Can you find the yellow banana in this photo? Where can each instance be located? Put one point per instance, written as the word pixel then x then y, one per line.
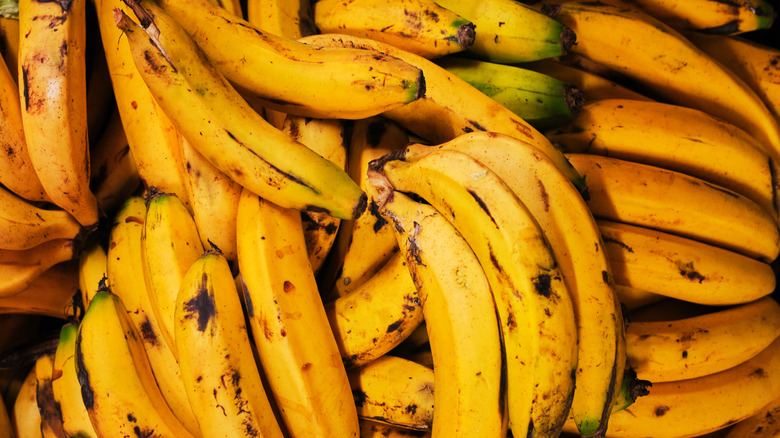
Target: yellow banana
pixel 118 387
pixel 457 107
pixel 673 137
pixel 377 316
pixel 394 391
pixel 297 79
pixel 51 417
pixel 296 346
pixel 654 197
pixel 217 365
pixel 126 278
pixel 682 268
pixel 25 417
pixel 170 244
pixel 662 351
pixel 576 242
pixel 705 404
pixel 534 306
pixel 460 318
pixel 93 262
pixel 65 386
pixel 24 225
pixel 51 294
pixel 222 127
pixel 763 424
pixel 19 268
pixel 422 27
pixel 9 26
pixel 53 97
pixel 375 429
pixel 667 64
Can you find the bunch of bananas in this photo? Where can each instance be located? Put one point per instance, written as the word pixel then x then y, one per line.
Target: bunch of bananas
pixel 361 218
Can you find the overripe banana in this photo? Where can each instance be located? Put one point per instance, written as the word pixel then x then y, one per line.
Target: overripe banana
pixel 422 27
pixel 19 268
pixel 25 417
pixel 51 417
pixel 24 225
pixel 65 386
pixel 51 294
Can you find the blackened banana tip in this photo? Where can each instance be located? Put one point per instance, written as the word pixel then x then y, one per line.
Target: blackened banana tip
pixel 466 35
pixel 361 206
pixel 420 86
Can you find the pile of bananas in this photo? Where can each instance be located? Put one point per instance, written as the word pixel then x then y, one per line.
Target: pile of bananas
pixel 283 218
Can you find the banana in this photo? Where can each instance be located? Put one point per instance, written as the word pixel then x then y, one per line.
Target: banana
pixel 296 346
pixel 51 416
pixel 375 429
pixel 117 384
pixel 377 316
pixel 394 391
pixel 154 142
pixel 222 127
pixel 675 138
pixel 669 201
pixel 762 424
pixel 460 317
pixel 127 280
pixel 19 268
pixel 682 268
pixel 297 79
pixel 533 303
pixel 576 242
pixel 93 261
pixel 539 99
pixel 662 351
pixel 170 244
pixel 365 244
pixel 53 97
pixel 422 27
pixel 51 294
pixel 25 417
pixel 9 27
pixel 509 32
pixel 291 19
pixel 705 404
pixel 65 386
pixel 667 64
pixel 217 365
pixel 456 106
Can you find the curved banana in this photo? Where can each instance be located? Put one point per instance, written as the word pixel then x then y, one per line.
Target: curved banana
pixel 222 127
pixel 217 365
pixel 509 32
pixel 394 391
pixel 763 424
pixel 541 100
pixel 53 96
pixel 25 417
pixel 705 404
pixel 460 317
pixel 662 351
pixel 377 316
pixel 19 268
pixel 457 107
pixel 534 306
pixel 673 137
pixel 127 280
pixel 294 341
pixel 287 18
pixel 118 387
pixel 51 416
pixel 93 262
pixel 51 294
pixel 667 64
pixel 682 268
pixel 65 386
pixel 654 197
pixel 422 27
pixel 24 225
pixel 346 84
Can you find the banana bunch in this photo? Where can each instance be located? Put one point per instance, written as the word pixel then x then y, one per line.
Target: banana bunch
pixel 364 219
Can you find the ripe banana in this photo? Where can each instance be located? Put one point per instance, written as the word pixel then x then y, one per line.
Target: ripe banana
pixel 456 106
pixel 296 79
pixel 460 318
pixel 296 346
pixel 53 97
pixel 422 27
pixel 65 386
pixel 92 264
pixel 291 19
pixel 705 404
pixel 222 127
pixel 662 351
pixel 682 268
pixel 509 32
pixel 19 268
pixel 377 316
pixel 51 294
pixel 673 202
pixel 533 304
pixel 667 64
pixel 24 225
pixel 217 365
pixel 762 424
pixel 127 279
pixel 675 138
pixel 25 417
pixel 541 100
pixel 118 387
pixel 51 417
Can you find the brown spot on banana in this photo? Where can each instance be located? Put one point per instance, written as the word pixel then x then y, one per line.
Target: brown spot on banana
pixel 661 410
pixel 466 35
pixel 49 408
pixel 202 305
pixel 147 332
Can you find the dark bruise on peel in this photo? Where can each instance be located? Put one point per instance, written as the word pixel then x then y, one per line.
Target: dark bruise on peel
pixel 608 239
pixel 380 221
pixel 147 332
pixel 49 408
pixel 26 87
pixel 202 305
pixel 482 206
pixel 729 28
pixel 543 285
pixel 87 394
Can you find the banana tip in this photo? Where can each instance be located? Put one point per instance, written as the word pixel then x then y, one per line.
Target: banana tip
pixel 466 35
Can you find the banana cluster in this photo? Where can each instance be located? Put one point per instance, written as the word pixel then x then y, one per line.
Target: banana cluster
pixel 360 218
